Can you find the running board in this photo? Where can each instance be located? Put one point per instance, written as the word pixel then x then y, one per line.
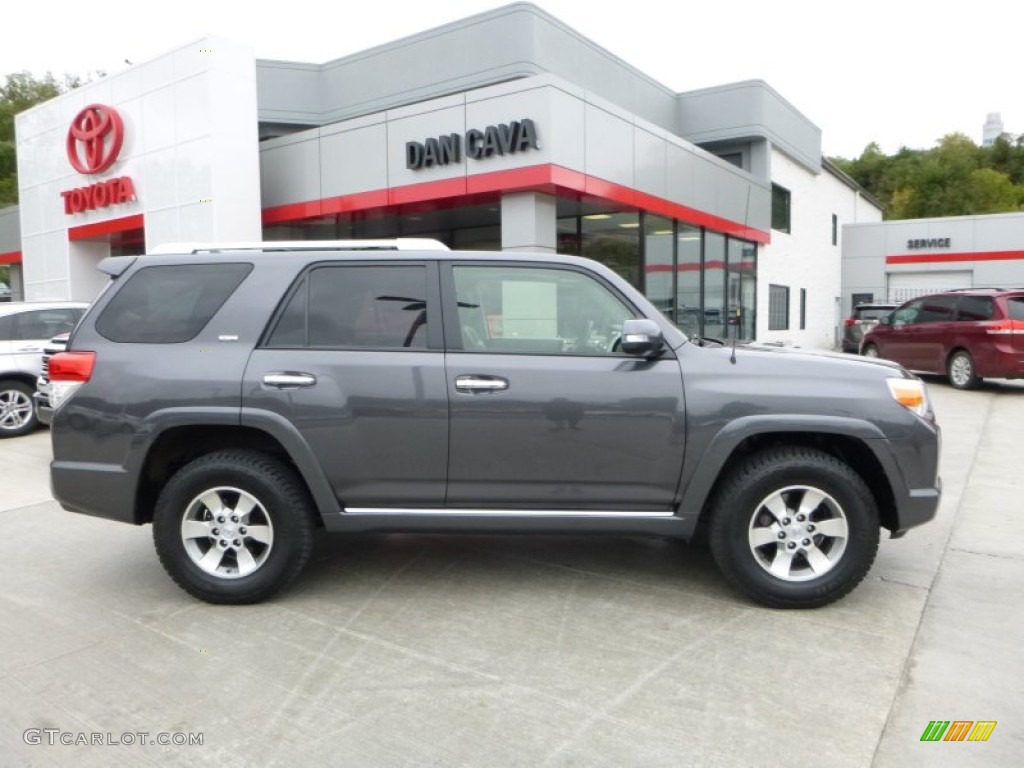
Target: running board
pixel 504 512
pixel 449 520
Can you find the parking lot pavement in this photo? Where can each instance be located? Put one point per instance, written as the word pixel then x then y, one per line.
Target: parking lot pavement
pixel 513 651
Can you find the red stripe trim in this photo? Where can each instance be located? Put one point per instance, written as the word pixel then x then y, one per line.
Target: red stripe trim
pixel 941 258
pixel 11 257
pixel 87 231
pixel 549 178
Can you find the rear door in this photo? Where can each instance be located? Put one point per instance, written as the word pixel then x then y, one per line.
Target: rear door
pixel 355 362
pixel 546 411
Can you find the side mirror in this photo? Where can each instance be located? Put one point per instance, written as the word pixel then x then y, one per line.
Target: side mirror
pixel 885 320
pixel 642 337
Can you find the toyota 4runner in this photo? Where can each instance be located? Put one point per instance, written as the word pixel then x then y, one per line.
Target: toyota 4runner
pixel 240 397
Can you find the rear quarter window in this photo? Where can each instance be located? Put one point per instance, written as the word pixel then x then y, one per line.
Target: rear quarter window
pixel 973 308
pixel 169 304
pixel 1016 307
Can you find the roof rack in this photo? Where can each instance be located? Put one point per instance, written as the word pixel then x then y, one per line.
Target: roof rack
pixel 396 244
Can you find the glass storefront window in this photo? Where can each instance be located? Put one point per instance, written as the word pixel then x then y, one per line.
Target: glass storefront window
pixel 659 255
pixel 748 287
pixel 569 236
pixel 614 240
pixel 688 248
pixel 714 285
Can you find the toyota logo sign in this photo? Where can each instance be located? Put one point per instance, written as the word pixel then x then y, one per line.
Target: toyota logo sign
pixel 95 138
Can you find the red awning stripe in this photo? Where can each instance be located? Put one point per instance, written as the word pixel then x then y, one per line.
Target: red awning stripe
pixel 100 228
pixel 548 178
pixel 942 258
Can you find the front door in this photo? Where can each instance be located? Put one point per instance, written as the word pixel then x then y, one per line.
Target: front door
pixel 546 410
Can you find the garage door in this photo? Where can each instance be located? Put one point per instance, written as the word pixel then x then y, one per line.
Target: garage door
pixel 907 285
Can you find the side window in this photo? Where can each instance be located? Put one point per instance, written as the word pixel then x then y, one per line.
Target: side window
pixel 45 323
pixel 936 309
pixel 975 308
pixel 7 328
pixel 356 307
pixel 169 304
pixel 907 314
pixel 533 310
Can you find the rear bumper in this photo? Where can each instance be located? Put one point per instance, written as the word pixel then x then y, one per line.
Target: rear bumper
pixel 43 410
pixel 1002 363
pixel 100 490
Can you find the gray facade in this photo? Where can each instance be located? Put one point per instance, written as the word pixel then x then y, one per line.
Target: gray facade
pixel 897 260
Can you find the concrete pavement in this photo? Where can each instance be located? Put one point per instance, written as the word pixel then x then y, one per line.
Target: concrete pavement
pixel 515 651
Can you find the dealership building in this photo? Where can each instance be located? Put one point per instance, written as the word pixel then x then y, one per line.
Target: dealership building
pixel 507 130
pixel 898 260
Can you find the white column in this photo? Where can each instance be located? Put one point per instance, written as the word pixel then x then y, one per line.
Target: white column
pixel 528 222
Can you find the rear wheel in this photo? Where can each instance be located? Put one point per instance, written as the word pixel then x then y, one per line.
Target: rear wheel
pixel 960 369
pixel 794 527
pixel 17 411
pixel 234 526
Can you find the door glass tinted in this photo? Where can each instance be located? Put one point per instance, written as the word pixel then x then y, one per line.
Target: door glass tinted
pixel 533 310
pixel 975 308
pixel 357 307
pixel 937 309
pixel 171 304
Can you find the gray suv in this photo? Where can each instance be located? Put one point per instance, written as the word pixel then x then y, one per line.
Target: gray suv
pixel 239 398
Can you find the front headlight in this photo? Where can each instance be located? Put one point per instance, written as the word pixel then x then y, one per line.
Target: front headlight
pixel 911 394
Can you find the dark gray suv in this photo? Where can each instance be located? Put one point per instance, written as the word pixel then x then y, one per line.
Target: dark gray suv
pixel 240 398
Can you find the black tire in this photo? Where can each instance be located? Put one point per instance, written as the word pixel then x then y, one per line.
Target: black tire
pixel 961 372
pixel 233 480
pixel 17 409
pixel 870 350
pixel 786 477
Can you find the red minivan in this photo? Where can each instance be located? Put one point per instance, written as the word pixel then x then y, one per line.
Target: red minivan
pixel 968 334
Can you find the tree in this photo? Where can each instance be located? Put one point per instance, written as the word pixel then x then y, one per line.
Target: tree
pixel 955 178
pixel 20 91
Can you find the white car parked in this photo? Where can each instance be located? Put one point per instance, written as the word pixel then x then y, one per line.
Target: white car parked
pixel 25 328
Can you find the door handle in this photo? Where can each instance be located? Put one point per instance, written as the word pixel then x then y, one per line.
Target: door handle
pixel 475 384
pixel 289 379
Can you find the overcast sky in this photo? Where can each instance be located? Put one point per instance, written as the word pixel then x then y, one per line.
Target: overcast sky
pixel 899 72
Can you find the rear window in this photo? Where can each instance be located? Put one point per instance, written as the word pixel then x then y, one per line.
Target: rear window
pixel 170 304
pixel 871 313
pixel 1016 307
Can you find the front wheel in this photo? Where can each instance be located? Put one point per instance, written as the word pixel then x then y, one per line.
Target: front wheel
pixel 871 350
pixel 794 527
pixel 961 370
pixel 233 526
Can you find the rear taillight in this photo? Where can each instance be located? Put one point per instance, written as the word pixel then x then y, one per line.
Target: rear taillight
pixel 68 372
pixel 1006 328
